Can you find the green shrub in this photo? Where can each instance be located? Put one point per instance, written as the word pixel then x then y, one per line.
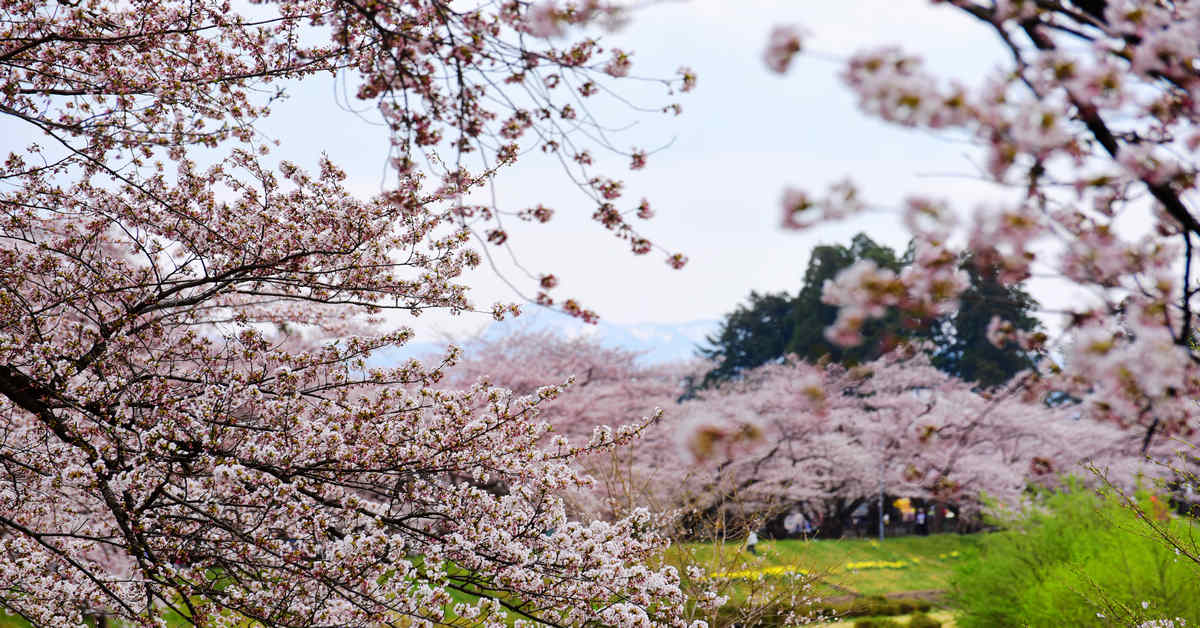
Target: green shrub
pixel 873 606
pixel 1077 559
pixel 921 620
pixel 905 606
pixel 878 623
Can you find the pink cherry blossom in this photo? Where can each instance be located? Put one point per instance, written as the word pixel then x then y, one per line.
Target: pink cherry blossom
pixel 783 44
pixel 193 416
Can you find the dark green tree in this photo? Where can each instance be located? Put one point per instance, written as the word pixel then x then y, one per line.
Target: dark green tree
pixel 812 317
pixel 752 335
pixel 962 345
pixel 770 326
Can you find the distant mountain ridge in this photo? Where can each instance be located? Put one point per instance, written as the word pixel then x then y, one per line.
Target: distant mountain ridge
pixel 657 342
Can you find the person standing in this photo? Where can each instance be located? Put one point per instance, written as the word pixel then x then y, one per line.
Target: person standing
pixel 793 523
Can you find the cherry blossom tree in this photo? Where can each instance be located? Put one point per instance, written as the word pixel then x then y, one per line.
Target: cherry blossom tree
pixel 826 438
pixel 187 419
pixel 610 388
pixel 820 438
pixel 1092 123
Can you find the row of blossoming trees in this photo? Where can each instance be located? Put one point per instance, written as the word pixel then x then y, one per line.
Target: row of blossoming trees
pixel 821 438
pixel 187 421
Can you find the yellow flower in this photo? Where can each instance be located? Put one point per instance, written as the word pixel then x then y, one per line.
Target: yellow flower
pixel 876 564
pixel 757 574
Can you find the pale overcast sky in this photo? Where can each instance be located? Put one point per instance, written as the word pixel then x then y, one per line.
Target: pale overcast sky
pixel 744 134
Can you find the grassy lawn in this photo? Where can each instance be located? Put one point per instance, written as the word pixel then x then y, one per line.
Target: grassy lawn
pixel 910 563
pixel 849 575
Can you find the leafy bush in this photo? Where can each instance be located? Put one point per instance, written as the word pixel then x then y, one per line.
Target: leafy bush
pixel 921 620
pixel 870 606
pixel 878 623
pixel 1077 558
pixel 905 606
pixel 876 605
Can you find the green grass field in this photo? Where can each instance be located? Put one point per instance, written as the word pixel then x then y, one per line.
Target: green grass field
pixel 910 563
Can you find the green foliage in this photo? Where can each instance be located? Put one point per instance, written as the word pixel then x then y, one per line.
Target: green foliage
pixel 869 606
pixel 772 325
pixel 875 622
pixel 1076 559
pixel 750 336
pixel 9 621
pixel 921 620
pixel 877 606
pixel 962 345
pixel 811 316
